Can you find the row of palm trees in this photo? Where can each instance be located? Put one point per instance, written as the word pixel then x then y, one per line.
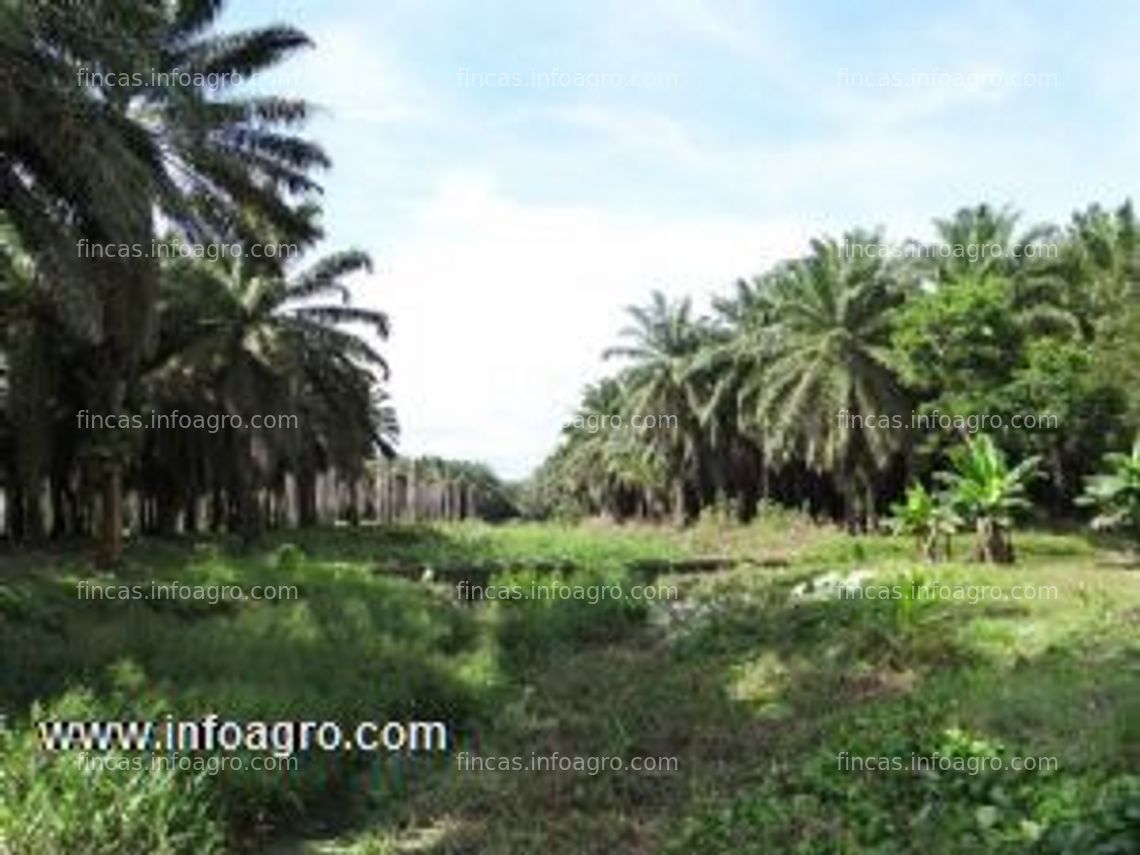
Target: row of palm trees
pixel 800 385
pixel 101 145
pixel 429 489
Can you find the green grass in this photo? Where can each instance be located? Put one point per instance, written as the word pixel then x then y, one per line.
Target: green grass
pixel 753 688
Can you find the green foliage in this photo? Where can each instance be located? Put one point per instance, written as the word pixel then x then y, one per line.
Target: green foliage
pixel 1116 494
pixel 988 492
pixel 661 381
pixel 750 687
pixel 560 611
pixel 797 388
pixel 87 161
pixel 958 342
pixel 353 647
pixel 59 803
pixel 926 519
pixel 967 799
pixel 1109 825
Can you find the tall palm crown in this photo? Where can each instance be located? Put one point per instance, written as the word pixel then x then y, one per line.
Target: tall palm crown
pixel 739 355
pixel 978 242
pixel 664 342
pixel 242 340
pixel 110 121
pixel 830 324
pixel 106 127
pixel 113 101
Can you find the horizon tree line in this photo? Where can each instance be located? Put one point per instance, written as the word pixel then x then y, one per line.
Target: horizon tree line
pixel 1046 322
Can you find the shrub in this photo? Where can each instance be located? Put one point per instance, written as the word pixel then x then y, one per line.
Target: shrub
pixel 930 522
pixel 988 491
pixel 580 607
pixel 55 803
pixel 1116 495
pixel 963 805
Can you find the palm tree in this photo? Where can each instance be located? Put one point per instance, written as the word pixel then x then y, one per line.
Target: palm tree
pixel 243 340
pixel 1100 263
pixel 976 243
pixel 610 470
pixel 986 490
pixel 664 341
pixel 87 163
pixel 736 357
pixel 829 396
pixel 1100 266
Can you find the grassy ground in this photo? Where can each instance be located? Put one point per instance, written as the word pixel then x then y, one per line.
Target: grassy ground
pixel 754 678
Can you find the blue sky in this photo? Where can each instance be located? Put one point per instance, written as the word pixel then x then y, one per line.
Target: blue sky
pixel 510 225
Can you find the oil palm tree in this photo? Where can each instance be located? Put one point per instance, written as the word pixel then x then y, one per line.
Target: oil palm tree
pixel 663 343
pixel 612 470
pixel 243 340
pixel 736 357
pixel 100 136
pixel 828 394
pixel 976 243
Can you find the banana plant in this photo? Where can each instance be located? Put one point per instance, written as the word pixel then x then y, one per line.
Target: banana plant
pixel 928 520
pixel 986 490
pixel 1115 495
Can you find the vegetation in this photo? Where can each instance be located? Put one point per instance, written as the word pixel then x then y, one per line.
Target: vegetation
pixel 1116 494
pixel 929 521
pixel 808 386
pixel 163 290
pixel 753 688
pixel 987 492
pixel 98 146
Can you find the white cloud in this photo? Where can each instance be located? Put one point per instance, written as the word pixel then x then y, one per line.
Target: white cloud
pixel 501 309
pixel 356 79
pixel 502 299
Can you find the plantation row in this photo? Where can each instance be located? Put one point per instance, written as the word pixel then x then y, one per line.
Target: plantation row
pixel 835 380
pixel 122 128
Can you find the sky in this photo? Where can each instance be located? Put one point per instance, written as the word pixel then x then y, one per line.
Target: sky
pixel 523 171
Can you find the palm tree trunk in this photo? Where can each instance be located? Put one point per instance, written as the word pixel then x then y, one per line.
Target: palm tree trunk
pixel 354 502
pixel 190 514
pixel 872 514
pixel 14 513
pixel 110 553
pixel 850 500
pixel 306 485
pixel 680 512
pixel 413 493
